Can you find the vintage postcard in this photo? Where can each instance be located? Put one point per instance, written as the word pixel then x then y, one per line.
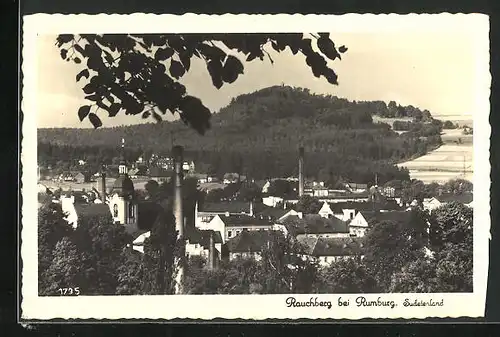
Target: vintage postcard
pixel 255 166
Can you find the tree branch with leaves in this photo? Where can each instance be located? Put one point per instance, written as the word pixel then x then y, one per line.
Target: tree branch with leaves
pixel 140 74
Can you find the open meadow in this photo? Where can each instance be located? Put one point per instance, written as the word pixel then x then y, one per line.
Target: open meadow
pixel 454 159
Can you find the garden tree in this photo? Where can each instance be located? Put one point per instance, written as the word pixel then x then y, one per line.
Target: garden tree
pixel 65 269
pixel 390 245
pixel 308 205
pixel 346 276
pixel 249 192
pixel 458 186
pixel 454 268
pixel 283 270
pixel 238 276
pixel 451 224
pixel 152 272
pixel 99 242
pixel 416 277
pixel 126 72
pixel 282 188
pixel 152 188
pixel 449 125
pixel 52 228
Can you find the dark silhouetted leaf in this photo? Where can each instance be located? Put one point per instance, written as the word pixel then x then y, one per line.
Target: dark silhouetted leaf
pixel 89 88
pixel 342 49
pixel 146 114
pixel 324 35
pixel 232 68
pixel 64 53
pixel 64 38
pixel 83 73
pixel 79 48
pixel 77 60
pixel 94 97
pixel 215 71
pixel 95 120
pixel 163 53
pixel 176 69
pixel 83 112
pixel 327 47
pixel 114 109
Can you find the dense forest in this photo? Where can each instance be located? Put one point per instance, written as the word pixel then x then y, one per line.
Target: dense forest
pixel 258 134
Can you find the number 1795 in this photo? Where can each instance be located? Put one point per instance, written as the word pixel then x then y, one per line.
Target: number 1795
pixel 69 291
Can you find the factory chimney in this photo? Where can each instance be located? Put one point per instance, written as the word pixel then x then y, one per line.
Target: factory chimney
pixel 211 252
pixel 178 211
pixel 301 171
pixel 103 185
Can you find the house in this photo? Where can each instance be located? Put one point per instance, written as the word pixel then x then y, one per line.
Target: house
pixel 248 244
pixel 263 185
pixel 231 225
pixel 159 174
pixel 231 178
pixel 325 211
pixel 137 172
pixel 272 201
pixel 275 214
pixel 431 204
pixel 355 187
pixel 81 177
pixel 314 225
pixel 198 243
pixel 330 250
pixel 211 209
pixel 364 218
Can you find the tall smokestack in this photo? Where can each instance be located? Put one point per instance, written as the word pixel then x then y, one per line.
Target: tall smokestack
pixel 179 217
pixel 103 186
pixel 301 171
pixel 211 252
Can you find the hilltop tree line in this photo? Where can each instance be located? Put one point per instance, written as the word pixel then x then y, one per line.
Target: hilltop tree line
pixel 430 253
pixel 259 133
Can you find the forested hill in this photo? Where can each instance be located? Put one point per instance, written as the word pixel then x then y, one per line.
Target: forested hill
pixel 269 124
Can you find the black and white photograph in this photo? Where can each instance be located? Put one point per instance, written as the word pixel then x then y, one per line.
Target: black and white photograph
pixel 327 166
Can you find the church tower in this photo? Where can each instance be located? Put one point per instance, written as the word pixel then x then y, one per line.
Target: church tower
pixel 123 202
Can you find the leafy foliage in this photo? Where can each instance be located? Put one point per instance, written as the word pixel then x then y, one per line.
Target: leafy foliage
pixel 139 74
pixel 347 276
pixel 308 205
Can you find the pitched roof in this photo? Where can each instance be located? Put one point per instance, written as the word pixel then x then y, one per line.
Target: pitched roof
pixel 271 212
pixel 202 237
pixel 89 210
pixel 332 246
pixel 244 220
pixel 156 171
pixel 249 241
pixel 464 198
pixel 314 224
pixel 223 207
pixel 396 216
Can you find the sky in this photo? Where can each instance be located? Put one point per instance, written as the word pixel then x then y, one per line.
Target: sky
pixel 433 69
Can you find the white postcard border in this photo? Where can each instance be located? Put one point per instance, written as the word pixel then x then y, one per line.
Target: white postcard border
pixel 246 306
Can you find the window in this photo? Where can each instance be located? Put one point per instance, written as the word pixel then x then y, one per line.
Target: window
pixel 229 234
pixel 115 211
pixel 131 211
pixel 352 215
